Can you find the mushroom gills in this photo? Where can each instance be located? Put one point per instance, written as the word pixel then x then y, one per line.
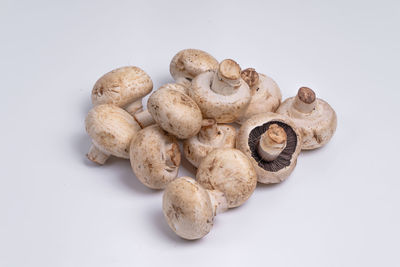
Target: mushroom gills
pixel 284 158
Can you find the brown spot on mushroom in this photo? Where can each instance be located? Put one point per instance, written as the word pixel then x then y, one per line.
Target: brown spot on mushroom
pixel 317 137
pixel 306 95
pixel 250 76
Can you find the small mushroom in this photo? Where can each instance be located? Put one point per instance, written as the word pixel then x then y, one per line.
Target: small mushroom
pixel 124 87
pixel 272 142
pixel 172 110
pixel 111 129
pixel 189 63
pixel 221 95
pixel 265 94
pixel 211 136
pixel 314 117
pixel 155 157
pixel 225 179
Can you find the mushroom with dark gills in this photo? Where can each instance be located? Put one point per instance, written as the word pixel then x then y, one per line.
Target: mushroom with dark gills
pixel 222 94
pixel 265 94
pixel 273 143
pixel 211 136
pixel 225 179
pixel 155 157
pixel 189 63
pixel 124 87
pixel 314 117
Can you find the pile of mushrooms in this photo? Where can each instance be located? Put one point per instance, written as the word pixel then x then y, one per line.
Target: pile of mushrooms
pixel 232 124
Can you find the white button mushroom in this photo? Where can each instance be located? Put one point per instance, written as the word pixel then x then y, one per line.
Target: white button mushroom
pixel 211 136
pixel 172 110
pixel 273 143
pixel 189 63
pixel 314 117
pixel 111 129
pixel 124 87
pixel 265 94
pixel 221 95
pixel 225 179
pixel 155 157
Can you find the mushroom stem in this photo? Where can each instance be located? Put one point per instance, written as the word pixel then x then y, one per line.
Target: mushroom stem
pixel 218 201
pixel 227 78
pixel 272 142
pixel 143 118
pixel 208 131
pixel 96 155
pixel 134 107
pixel 305 100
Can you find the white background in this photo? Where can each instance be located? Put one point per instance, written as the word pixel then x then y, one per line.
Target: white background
pixel 341 205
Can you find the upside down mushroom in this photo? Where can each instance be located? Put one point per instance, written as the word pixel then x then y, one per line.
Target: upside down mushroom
pixel 225 179
pixel 314 117
pixel 273 143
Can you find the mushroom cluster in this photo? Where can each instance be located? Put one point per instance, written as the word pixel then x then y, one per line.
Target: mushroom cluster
pixel 231 124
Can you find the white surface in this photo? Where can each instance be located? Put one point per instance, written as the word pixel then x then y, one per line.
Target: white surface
pixel 341 205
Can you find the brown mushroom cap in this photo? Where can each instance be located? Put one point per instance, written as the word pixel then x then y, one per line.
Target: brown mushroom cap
pixel 121 86
pixel 228 170
pixel 265 94
pixel 317 126
pixel 223 108
pixel 189 63
pixel 248 140
pixel 175 112
pixel 196 148
pixel 187 208
pixel 111 129
pixel 155 157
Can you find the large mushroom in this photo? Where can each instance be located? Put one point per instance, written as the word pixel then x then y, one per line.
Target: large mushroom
pixel 111 129
pixel 221 95
pixel 272 142
pixel 211 136
pixel 189 63
pixel 124 87
pixel 172 110
pixel 265 94
pixel 225 179
pixel 155 157
pixel 314 117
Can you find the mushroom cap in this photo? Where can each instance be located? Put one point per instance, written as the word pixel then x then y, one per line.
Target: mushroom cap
pixel 189 63
pixel 155 157
pixel 195 150
pixel 175 112
pixel 229 171
pixel 187 208
pixel 248 138
pixel 222 108
pixel 121 86
pixel 111 129
pixel 316 127
pixel 265 97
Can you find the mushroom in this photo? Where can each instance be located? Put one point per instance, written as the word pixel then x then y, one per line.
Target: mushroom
pixel 225 179
pixel 172 110
pixel 211 136
pixel 313 116
pixel 265 94
pixel 155 157
pixel 272 142
pixel 189 63
pixel 124 87
pixel 221 95
pixel 111 129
